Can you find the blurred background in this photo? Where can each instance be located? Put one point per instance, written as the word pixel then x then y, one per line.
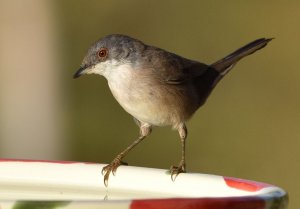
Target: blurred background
pixel 249 127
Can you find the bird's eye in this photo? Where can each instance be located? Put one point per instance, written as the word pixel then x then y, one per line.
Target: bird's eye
pixel 102 53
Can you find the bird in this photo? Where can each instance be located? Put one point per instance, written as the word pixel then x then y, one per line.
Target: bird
pixel 155 86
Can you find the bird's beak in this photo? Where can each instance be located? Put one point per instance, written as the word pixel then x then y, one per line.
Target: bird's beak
pixel 79 72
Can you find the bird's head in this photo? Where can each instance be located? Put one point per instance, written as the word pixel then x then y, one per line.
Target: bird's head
pixel 108 53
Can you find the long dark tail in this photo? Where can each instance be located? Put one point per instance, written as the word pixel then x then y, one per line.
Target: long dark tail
pixel 217 70
pixel 224 65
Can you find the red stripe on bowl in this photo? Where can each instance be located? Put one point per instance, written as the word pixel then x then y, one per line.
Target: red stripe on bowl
pixel 201 203
pixel 246 185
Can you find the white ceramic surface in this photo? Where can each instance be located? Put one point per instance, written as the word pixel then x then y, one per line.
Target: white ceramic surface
pixel 81 185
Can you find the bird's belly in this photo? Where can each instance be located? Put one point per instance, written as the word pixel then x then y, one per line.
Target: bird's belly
pixel 145 105
pixel 145 108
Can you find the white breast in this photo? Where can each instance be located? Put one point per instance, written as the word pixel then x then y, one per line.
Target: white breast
pixel 133 94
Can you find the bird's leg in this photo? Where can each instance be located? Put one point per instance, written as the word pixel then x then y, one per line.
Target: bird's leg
pixel 145 130
pixel 181 168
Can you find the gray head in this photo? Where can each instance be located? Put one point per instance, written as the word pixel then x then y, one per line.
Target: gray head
pixel 108 52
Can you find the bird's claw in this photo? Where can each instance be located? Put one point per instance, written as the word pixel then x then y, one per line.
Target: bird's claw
pixel 111 168
pixel 176 170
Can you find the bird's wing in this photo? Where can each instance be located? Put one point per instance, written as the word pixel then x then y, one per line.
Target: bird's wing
pixel 171 68
pixel 182 74
pixel 181 70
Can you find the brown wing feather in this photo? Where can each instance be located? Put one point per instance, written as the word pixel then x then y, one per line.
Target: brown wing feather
pixel 171 68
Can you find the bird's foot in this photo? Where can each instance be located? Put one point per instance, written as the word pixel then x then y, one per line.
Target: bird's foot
pixel 111 168
pixel 176 170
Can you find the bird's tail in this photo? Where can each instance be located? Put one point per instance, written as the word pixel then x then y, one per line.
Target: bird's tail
pixel 224 65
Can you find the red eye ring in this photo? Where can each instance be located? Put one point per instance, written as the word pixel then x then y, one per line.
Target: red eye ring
pixel 102 53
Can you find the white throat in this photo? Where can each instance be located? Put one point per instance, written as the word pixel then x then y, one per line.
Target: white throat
pixel 120 78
